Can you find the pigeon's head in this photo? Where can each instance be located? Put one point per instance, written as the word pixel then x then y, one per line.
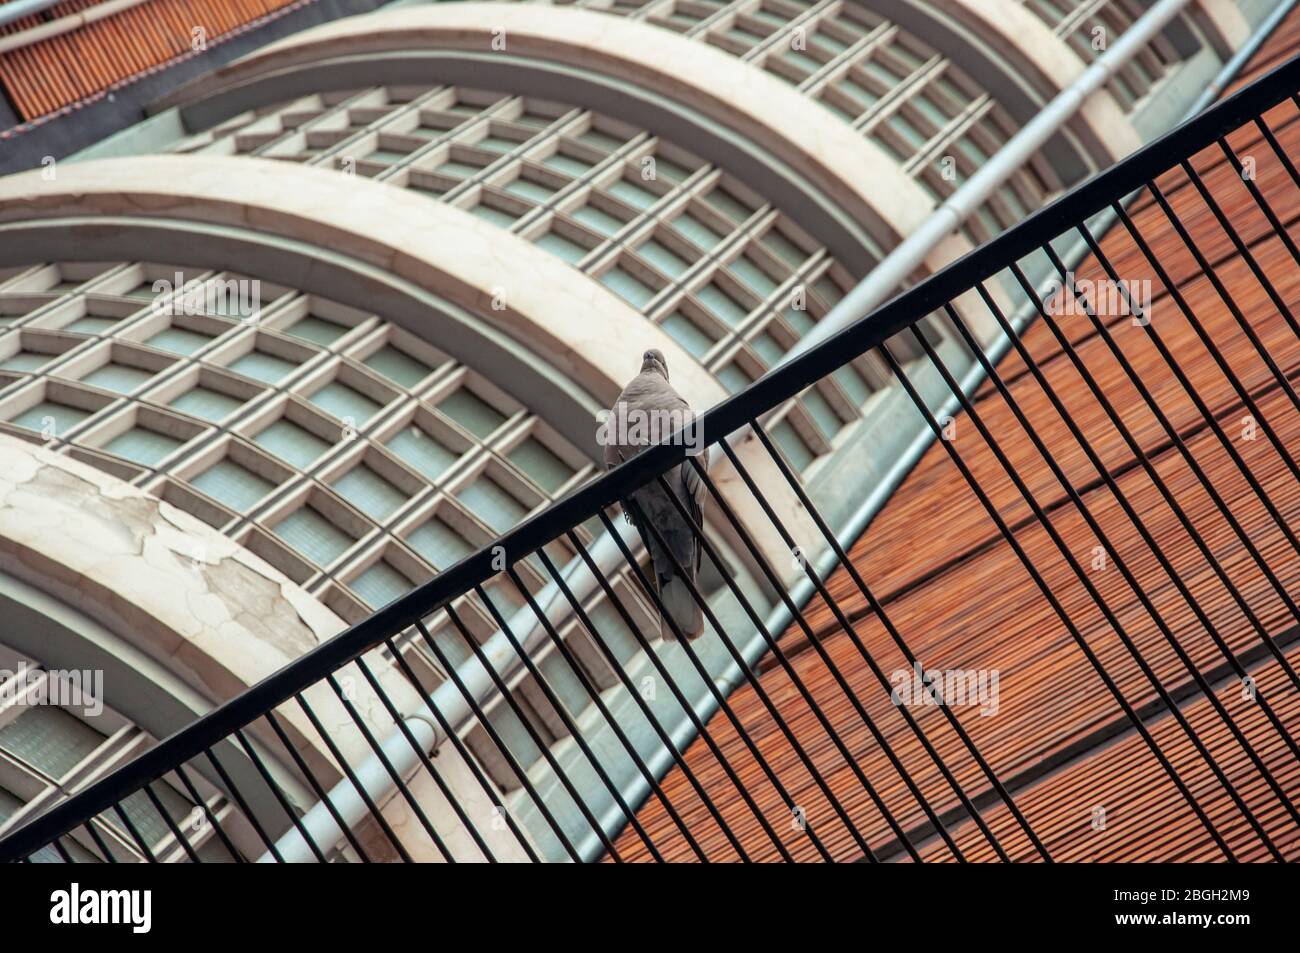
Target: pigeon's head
pixel 653 360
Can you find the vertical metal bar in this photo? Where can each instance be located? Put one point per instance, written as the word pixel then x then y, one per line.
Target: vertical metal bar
pixel 1257 194
pixel 682 702
pixel 774 645
pixel 804 693
pixel 940 828
pixel 1242 250
pixel 594 694
pixel 730 715
pixel 1192 464
pixel 492 733
pixel 171 825
pixel 1132 515
pixel 542 746
pixel 616 667
pixel 315 785
pixel 1224 368
pixel 1224 294
pixel 238 798
pixel 1096 596
pixel 1278 150
pixel 423 757
pixel 346 767
pixel 1046 590
pixel 280 799
pixel 135 834
pixel 558 707
pixel 109 857
pixel 471 762
pixel 647 525
pixel 878 608
pixel 398 781
pixel 203 805
pixel 62 851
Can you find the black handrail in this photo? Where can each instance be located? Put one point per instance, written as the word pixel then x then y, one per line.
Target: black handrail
pixel 731 415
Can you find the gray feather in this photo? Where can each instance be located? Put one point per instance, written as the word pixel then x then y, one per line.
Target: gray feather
pixel 649 394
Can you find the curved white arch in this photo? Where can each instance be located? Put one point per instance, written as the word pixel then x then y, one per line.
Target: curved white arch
pixel 849 169
pixel 1010 26
pixel 193 601
pixel 572 322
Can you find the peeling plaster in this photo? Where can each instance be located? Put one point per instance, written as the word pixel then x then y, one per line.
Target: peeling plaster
pixel 168 579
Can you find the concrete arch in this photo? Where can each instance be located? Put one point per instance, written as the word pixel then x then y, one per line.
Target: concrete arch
pixel 373 246
pixel 181 618
pixel 848 170
pixel 1101 123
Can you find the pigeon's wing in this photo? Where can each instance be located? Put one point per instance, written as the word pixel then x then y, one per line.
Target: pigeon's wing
pixel 695 494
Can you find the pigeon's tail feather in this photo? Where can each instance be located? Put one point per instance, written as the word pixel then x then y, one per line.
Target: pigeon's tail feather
pixel 681 605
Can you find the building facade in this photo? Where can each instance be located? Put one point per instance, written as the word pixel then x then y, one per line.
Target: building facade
pixel 342 311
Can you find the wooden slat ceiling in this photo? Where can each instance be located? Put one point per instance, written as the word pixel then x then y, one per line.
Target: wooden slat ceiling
pixel 47 76
pixel 961 598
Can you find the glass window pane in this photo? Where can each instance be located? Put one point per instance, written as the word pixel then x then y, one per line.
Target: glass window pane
pixel 546 469
pixel 205 403
pixel 438 543
pixel 426 455
pixel 313 535
pixel 291 443
pixel 471 412
pixel 369 492
pixel 380 585
pixel 142 446
pixel 229 483
pixel 397 366
pixel 49 739
pixel 344 402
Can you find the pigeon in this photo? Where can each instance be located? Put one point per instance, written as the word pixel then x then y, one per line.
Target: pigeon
pixel 649 411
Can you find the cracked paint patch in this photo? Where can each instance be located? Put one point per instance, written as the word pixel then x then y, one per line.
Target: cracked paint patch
pixel 86 536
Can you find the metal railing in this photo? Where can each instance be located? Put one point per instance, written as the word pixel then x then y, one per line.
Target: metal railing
pixel 347 753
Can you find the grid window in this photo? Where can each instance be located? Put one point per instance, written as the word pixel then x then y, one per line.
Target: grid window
pixel 369 492
pixel 317 330
pixel 546 469
pixel 397 366
pixel 117 377
pixel 263 367
pixel 206 403
pixel 425 454
pixel 235 486
pixel 380 584
pixel 471 412
pixel 492 503
pixel 26 361
pixel 688 334
pixel 313 535
pixel 178 340
pixel 292 443
pixel 50 416
pixel 49 739
pixel 439 544
pixel 142 446
pixel 344 402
